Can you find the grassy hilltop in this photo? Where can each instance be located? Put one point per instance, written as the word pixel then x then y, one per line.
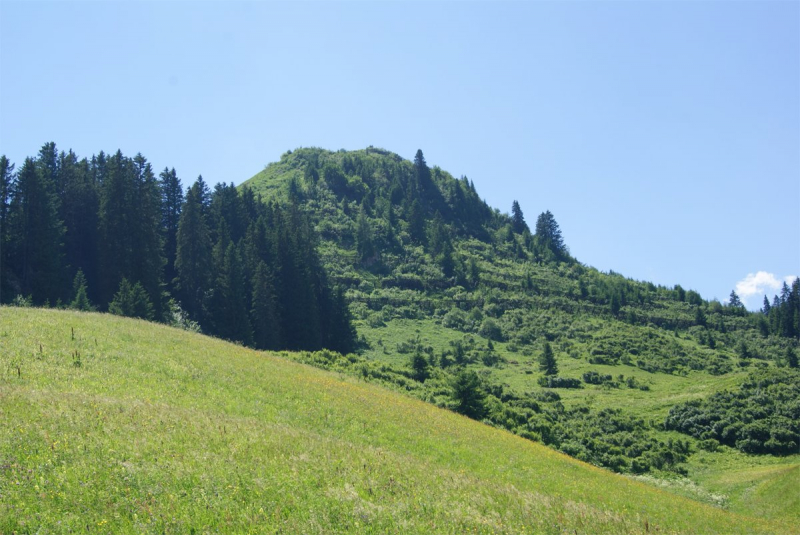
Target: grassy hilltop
pixel 113 425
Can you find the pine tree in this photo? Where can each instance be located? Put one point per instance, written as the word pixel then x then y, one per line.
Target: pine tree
pixel 130 228
pixel 416 222
pixel 131 301
pixel 341 334
pixel 422 172
pixel 264 313
pixel 468 395
pixel 420 368
pixel 171 203
pixel 735 304
pixel 80 299
pixel 517 219
pixel 80 204
pixel 547 361
pixel 148 265
pixel 445 258
pixel 36 235
pixel 229 308
pixel 548 236
pixel 193 254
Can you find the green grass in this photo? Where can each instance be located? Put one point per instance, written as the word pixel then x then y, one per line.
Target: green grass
pixel 164 431
pixel 756 485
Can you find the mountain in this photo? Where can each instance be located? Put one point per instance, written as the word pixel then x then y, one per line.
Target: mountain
pixel 641 379
pixel 117 425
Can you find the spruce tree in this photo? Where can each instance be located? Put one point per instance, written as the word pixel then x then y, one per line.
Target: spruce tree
pixel 230 313
pixel 416 222
pixel 547 360
pixel 341 334
pixel 116 194
pixel 80 204
pixel 171 203
pixel 148 262
pixel 420 368
pixel 36 235
pixel 517 219
pixel 422 172
pixel 193 254
pixel 468 395
pixel 264 314
pixel 548 236
pixel 80 299
pixel 131 301
pixel 734 301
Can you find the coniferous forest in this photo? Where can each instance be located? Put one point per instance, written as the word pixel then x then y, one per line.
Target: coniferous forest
pixel 105 233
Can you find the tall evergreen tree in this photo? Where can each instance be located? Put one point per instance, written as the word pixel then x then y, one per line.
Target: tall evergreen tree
pixel 734 301
pixel 80 299
pixel 422 172
pixel 116 197
pixel 193 254
pixel 171 203
pixel 229 310
pixel 79 206
pixel 548 235
pixel 517 219
pixel 547 360
pixel 148 264
pixel 468 395
pixel 264 313
pixel 36 235
pixel 340 334
pixel 416 222
pixel 131 300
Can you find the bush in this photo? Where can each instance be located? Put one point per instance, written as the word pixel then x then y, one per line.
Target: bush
pixel 491 330
pixel 560 382
pixel 763 416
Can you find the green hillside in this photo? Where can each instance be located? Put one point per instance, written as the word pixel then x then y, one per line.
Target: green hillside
pixel 114 425
pixel 439 283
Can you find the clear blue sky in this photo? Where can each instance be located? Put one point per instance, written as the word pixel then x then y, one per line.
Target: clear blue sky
pixel 664 136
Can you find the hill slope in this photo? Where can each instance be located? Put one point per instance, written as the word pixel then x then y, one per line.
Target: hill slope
pixel 440 283
pixel 118 425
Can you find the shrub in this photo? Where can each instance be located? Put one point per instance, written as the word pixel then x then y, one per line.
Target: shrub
pixel 491 330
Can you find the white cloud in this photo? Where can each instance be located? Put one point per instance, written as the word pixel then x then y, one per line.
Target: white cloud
pixel 754 286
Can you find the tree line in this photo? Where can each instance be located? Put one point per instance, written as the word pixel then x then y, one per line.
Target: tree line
pixel 106 233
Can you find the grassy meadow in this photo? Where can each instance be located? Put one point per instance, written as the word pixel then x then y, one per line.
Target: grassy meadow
pixel 112 425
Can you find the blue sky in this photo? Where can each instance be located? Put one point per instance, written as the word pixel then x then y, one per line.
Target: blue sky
pixel 664 136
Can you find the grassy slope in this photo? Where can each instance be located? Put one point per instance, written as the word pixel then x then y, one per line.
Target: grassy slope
pixel 742 483
pixel 160 430
pixel 749 484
